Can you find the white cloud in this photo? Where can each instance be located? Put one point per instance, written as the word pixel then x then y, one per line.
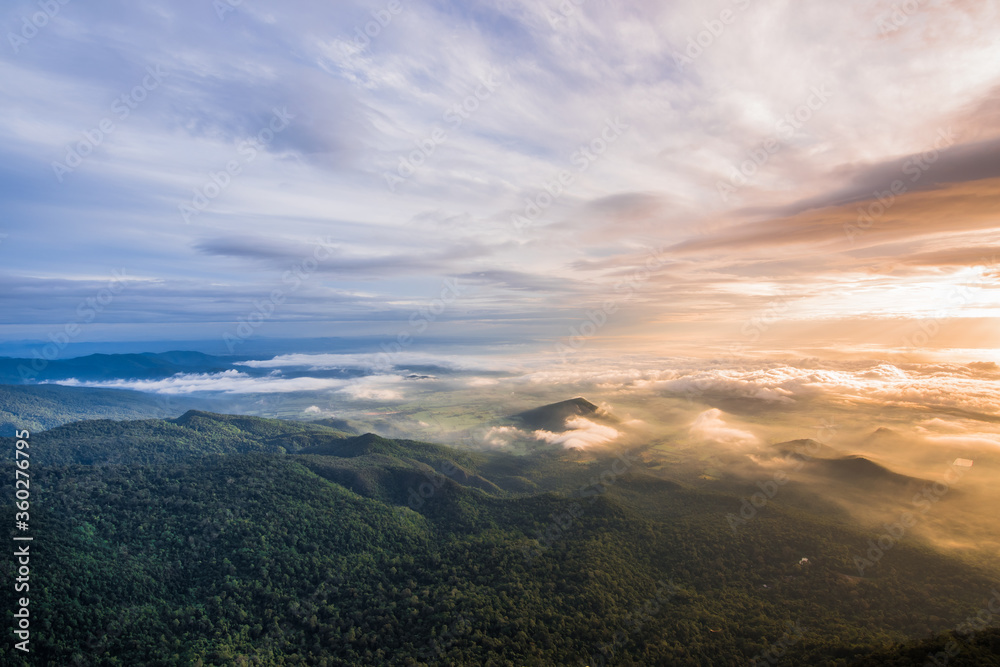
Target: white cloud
pixel 323 362
pixel 359 111
pixel 501 436
pixel 983 440
pixel 880 384
pixel 373 387
pixel 582 434
pixel 710 426
pixel 228 382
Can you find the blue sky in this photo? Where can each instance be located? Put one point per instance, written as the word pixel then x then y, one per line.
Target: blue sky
pixel 265 150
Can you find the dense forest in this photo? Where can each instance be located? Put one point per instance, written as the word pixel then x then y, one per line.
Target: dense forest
pixel 39 407
pixel 220 540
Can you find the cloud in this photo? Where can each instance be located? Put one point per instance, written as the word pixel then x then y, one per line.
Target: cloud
pixel 987 441
pixel 503 436
pixel 380 388
pixel 523 281
pixel 404 359
pixel 710 426
pixel 226 382
pixel 332 259
pixel 581 434
pixel 881 384
pixel 362 114
pixel 764 384
pixel 941 163
pixel 990 367
pixel 912 215
pixel 370 388
pixel 984 256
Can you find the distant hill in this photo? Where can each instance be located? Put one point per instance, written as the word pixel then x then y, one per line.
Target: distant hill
pixel 97 367
pixel 886 441
pixel 553 417
pixel 369 443
pixel 41 407
pixel 829 463
pixel 858 469
pixel 806 449
pixel 861 472
pixel 195 433
pixel 345 425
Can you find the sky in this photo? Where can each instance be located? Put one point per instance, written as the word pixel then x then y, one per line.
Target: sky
pixel 733 178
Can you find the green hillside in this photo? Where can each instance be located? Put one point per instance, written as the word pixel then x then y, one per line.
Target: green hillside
pixel 41 407
pixel 221 540
pixel 195 433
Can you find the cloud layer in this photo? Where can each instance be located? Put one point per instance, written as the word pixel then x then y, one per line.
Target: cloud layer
pixel 275 164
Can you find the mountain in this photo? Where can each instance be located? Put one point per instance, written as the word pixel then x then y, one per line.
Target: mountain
pixel 863 471
pixel 833 465
pixel 369 443
pixel 98 367
pixel 40 407
pixel 805 449
pixel 223 539
pixel 553 417
pixel 389 470
pixel 193 434
pixel 343 425
pixel 886 441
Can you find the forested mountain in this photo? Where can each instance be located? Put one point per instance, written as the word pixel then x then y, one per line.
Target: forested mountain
pixel 226 540
pixel 93 367
pixel 39 407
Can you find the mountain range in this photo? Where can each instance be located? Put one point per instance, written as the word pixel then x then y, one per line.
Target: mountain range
pixel 223 539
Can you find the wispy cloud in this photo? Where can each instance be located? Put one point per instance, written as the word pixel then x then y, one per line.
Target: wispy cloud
pixel 359 106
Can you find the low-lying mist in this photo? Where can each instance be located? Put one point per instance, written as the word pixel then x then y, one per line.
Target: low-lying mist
pixel 910 450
